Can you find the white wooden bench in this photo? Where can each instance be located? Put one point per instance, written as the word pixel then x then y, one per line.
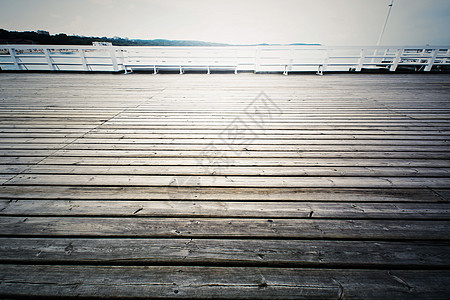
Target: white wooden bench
pixel 177 59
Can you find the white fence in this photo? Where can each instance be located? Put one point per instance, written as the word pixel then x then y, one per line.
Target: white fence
pixel 60 58
pixel 234 58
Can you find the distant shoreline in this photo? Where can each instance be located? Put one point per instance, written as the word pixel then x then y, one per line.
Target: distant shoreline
pixel 41 37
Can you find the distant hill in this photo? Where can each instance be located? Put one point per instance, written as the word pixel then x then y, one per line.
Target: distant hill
pixel 44 38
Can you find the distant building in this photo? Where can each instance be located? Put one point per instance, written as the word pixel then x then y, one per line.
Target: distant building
pixel 101 44
pixel 43 32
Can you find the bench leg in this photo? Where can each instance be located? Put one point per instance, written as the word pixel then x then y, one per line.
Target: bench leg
pixel 320 70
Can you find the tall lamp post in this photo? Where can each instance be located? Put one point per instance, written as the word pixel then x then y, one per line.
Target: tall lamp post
pixel 385 23
pixel 375 53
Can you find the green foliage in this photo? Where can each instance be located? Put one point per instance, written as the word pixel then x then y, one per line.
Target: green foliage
pixel 31 37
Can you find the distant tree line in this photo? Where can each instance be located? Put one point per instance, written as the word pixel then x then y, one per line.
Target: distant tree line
pixel 44 38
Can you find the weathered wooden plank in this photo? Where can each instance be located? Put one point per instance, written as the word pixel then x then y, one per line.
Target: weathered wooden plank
pixel 208 125
pixel 31 146
pixel 159 111
pixel 286 143
pixel 318 253
pixel 282 118
pixel 266 209
pixel 243 161
pixel 287 137
pixel 225 228
pixel 231 181
pixel 224 193
pixel 150 115
pixel 350 125
pixel 268 128
pixel 20 160
pixel 223 146
pixel 303 114
pixel 152 107
pixel 5 177
pixel 13 169
pixel 443 193
pixel 392 119
pixel 30 127
pixel 254 137
pixel 28 135
pixel 221 150
pixel 210 151
pixel 5 141
pixel 220 283
pixel 229 170
pixel 108 128
pixel 272 129
pixel 194 132
pixel 53 122
pixel 250 144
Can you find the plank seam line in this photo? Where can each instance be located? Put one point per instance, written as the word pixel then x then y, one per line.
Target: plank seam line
pixel 250 264
pixel 224 175
pixel 82 136
pixel 281 201
pixel 225 237
pixel 237 217
pixel 402 114
pixel 444 202
pixel 438 195
pixel 235 239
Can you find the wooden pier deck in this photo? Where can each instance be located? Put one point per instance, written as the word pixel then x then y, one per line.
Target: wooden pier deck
pixel 225 186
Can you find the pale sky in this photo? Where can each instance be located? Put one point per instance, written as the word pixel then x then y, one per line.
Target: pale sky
pixel 329 22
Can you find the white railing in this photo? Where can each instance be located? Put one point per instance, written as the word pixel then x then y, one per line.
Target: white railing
pixel 291 59
pixel 258 59
pixel 61 58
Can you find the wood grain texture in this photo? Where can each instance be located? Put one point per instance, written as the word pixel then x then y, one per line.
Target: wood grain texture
pixel 225 227
pixel 225 187
pixel 189 208
pixel 221 283
pixel 250 252
pixel 180 193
